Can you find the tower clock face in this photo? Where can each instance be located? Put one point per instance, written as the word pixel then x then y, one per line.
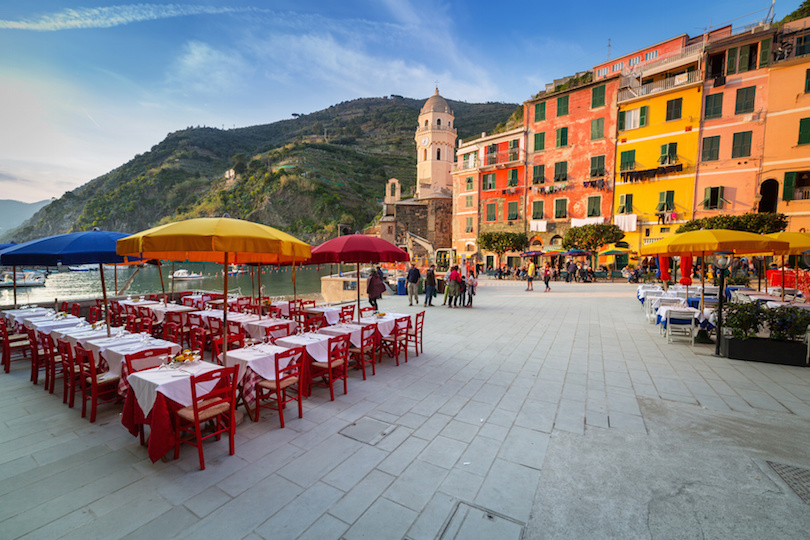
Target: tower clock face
pixel 425 141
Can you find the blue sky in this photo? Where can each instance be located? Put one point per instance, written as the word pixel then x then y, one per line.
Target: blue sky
pixel 85 87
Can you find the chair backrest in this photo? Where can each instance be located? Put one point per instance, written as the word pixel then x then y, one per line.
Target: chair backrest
pixel 144 312
pixel 74 309
pixel 420 322
pixel 235 328
pixel 307 304
pixel 48 346
pixel 64 307
pixel 131 322
pixel 66 352
pixel 190 302
pixel 368 337
pixel 86 362
pixel 653 294
pixel 314 322
pixel 288 364
pixel 663 301
pixel 171 332
pixel 147 359
pixel 215 324
pixel 33 343
pixel 145 325
pixel 339 348
pixel 174 317
pixel 401 326
pixel 94 315
pixel 197 339
pixel 277 331
pixel 234 341
pixel 195 320
pixel 223 390
pixel 274 311
pixel 680 315
pixel 366 311
pixel 347 313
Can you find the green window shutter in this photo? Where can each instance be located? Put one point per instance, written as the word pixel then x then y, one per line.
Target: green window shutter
pixel 672 154
pixel 664 154
pixel 711 148
pixel 562 105
pixel 789 189
pixel 597 129
pixel 593 206
pixel 642 113
pixel 622 204
pixel 662 201
pixel 714 106
pixel 765 52
pixel 807 81
pixel 539 142
pixel 670 200
pixel 628 160
pixel 741 145
pixel 720 197
pixel 559 137
pixel 731 63
pixel 621 120
pixel 539 111
pixel 745 100
pixel 804 131
pixel 629 203
pixel 597 96
pixel 744 52
pixel 707 198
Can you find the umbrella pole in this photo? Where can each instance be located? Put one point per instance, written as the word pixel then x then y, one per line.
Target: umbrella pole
pixel 162 286
pixel 115 277
pixel 225 316
pixel 783 278
pixel 259 279
pixel 358 293
pixel 104 295
pixel 702 278
pixel 295 294
pixel 14 275
pixel 172 280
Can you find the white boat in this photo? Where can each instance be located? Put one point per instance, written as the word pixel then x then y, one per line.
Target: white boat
pixel 83 268
pixel 184 275
pixel 24 279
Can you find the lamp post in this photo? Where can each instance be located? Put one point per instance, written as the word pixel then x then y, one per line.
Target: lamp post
pixel 722 260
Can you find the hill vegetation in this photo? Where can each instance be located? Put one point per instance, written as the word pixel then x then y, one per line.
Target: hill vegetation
pixel 304 175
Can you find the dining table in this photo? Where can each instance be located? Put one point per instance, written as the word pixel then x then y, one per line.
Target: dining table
pixel 257 362
pixel 156 394
pixel 21 315
pixel 160 310
pixel 330 314
pixel 257 328
pixel 80 335
pixel 317 347
pixel 51 322
pixel 355 332
pixel 385 323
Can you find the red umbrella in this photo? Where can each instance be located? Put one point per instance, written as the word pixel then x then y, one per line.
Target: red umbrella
pixel 357 248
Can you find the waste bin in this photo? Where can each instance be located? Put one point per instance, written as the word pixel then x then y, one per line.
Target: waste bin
pixel 440 285
pixel 401 288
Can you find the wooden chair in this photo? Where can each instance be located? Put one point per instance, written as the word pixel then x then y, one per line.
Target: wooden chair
pixel 189 302
pixel 38 360
pixel 198 339
pixel 64 307
pixel 131 323
pixel 398 340
pixel 147 359
pixel 274 312
pixel 334 369
pixel 235 341
pixel 53 362
pixel 366 311
pixel 216 407
pixel 273 331
pixel 347 313
pixel 214 327
pixel 184 330
pixel 75 309
pixel 235 328
pixel 146 321
pixel 366 353
pixel 288 377
pixel 15 346
pixel 171 332
pixel 313 323
pixel 97 388
pixel 680 323
pixel 116 318
pixel 415 333
pixel 71 375
pixel 297 311
pixel 94 315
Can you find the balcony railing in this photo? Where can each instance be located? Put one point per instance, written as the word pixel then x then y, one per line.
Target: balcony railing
pixel 425 129
pixel 802 193
pixel 673 59
pixel 502 157
pixel 669 83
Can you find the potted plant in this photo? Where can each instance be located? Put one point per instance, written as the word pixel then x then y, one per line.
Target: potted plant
pixel 787 327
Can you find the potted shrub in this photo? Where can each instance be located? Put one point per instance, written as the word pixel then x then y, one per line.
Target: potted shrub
pixel 785 345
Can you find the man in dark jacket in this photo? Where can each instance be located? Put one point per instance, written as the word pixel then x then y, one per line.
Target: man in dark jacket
pixel 413 282
pixel 430 285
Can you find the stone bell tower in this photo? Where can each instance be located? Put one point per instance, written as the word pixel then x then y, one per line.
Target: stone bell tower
pixel 435 147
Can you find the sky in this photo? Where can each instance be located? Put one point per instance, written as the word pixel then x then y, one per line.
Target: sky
pixel 84 87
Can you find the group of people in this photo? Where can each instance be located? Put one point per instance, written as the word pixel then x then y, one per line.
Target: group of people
pixel 458 292
pixel 546 272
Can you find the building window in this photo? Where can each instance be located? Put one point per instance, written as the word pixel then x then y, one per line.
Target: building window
pixel 539 142
pixel 632 119
pixel 424 155
pixel 714 106
pixel 713 198
pixel 711 148
pixel 741 145
pixel 748 57
pixel 666 201
pixel 562 137
pixel 597 166
pixel 488 181
pixel 745 100
pixel 597 96
pixel 469 183
pixel 636 60
pixel 540 111
pixel 512 175
pixel 625 204
pixel 538 174
pixel 731 62
pixel 627 160
pixel 651 55
pixel 468 201
pixel 765 53
pixel 514 150
pixel 595 206
pixel 804 131
pixel 597 129
pixel 674 109
pixel 492 211
pixel 803 45
pixel 602 72
pixel 469 226
pixel 512 211
pixel 537 209
pixel 561 171
pixel 669 154
pixel 562 105
pixel 560 208
pixel 617 66
pixel 807 81
pixel 438 154
pixel 438 121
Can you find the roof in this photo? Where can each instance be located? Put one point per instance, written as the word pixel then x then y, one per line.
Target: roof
pixel 436 103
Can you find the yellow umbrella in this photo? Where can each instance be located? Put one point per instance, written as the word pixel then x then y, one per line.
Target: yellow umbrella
pixel 799 243
pixel 220 240
pixel 711 240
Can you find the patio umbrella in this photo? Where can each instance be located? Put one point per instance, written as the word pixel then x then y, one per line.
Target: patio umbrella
pixel 536 253
pixel 85 247
pixel 220 240
pixel 576 253
pixel 798 243
pixel 358 248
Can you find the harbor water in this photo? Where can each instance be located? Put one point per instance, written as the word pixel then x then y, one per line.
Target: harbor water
pixel 67 285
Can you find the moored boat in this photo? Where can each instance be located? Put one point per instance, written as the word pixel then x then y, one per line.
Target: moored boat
pixel 24 279
pixel 184 275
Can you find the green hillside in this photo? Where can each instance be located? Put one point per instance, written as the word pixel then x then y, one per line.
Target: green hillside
pixel 289 175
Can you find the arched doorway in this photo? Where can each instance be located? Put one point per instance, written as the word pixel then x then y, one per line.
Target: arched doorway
pixel 769 192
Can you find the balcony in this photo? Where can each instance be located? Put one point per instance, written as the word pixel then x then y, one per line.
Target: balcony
pixel 802 193
pixel 626 94
pixel 425 129
pixel 503 158
pixel 687 55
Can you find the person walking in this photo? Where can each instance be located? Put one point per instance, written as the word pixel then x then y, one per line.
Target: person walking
pixel 472 283
pixel 530 277
pixel 546 276
pixel 453 282
pixel 430 285
pixel 413 284
pixel 374 288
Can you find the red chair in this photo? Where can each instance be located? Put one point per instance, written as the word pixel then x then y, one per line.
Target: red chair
pixel 38 360
pixel 347 313
pixel 146 321
pixel 195 320
pixel 313 323
pixel 131 323
pixel 198 340
pixel 177 318
pixel 296 311
pixel 64 307
pixel 116 316
pixel 235 328
pixel 75 309
pixel 288 377
pixel 216 407
pixel 415 333
pixel 152 297
pixel 70 373
pixel 215 327
pixel 334 369
pixel 53 361
pixel 235 341
pixel 274 312
pixel 147 359
pixel 15 346
pixel 366 353
pixel 189 302
pixel 171 332
pixel 398 340
pixel 366 311
pixel 94 315
pixel 97 388
pixel 273 331
pixel 306 304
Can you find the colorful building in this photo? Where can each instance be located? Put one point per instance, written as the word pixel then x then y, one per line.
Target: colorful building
pixel 785 177
pixel 571 135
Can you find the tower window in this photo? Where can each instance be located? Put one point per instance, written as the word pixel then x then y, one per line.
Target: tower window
pixel 426 123
pixel 438 121
pixel 424 155
pixel 438 154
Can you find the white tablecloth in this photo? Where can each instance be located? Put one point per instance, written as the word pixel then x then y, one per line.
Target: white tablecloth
pixel 160 311
pixel 331 314
pixel 80 335
pixel 354 331
pixel 284 306
pixel 21 315
pixel 260 358
pixel 172 383
pixel 137 303
pixel 385 324
pixel 116 354
pixel 46 324
pixel 256 328
pixel 317 345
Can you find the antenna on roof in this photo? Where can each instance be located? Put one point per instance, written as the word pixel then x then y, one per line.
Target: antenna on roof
pixel 608 49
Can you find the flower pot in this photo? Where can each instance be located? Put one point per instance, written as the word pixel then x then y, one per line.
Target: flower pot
pixel 790 353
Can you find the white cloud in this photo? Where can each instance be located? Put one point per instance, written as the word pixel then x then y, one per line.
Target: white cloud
pixel 205 70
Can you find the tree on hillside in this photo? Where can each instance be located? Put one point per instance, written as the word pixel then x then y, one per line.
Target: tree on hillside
pixel 764 223
pixel 801 12
pixel 592 237
pixel 239 163
pixel 501 242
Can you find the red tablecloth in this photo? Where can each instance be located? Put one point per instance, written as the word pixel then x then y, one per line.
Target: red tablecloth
pixel 159 420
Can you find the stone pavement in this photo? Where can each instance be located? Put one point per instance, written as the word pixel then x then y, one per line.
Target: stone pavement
pixel 546 415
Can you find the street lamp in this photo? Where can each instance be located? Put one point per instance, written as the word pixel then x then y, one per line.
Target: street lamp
pixel 722 260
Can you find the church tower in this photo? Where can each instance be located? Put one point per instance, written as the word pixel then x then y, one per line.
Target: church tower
pixel 435 147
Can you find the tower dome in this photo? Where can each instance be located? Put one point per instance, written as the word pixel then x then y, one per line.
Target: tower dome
pixel 436 103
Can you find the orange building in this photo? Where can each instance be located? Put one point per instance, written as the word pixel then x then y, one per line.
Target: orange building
pixel 785 178
pixel 732 133
pixel 571 136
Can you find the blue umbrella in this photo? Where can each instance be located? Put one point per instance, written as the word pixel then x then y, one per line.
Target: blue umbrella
pixel 85 247
pixel 576 253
